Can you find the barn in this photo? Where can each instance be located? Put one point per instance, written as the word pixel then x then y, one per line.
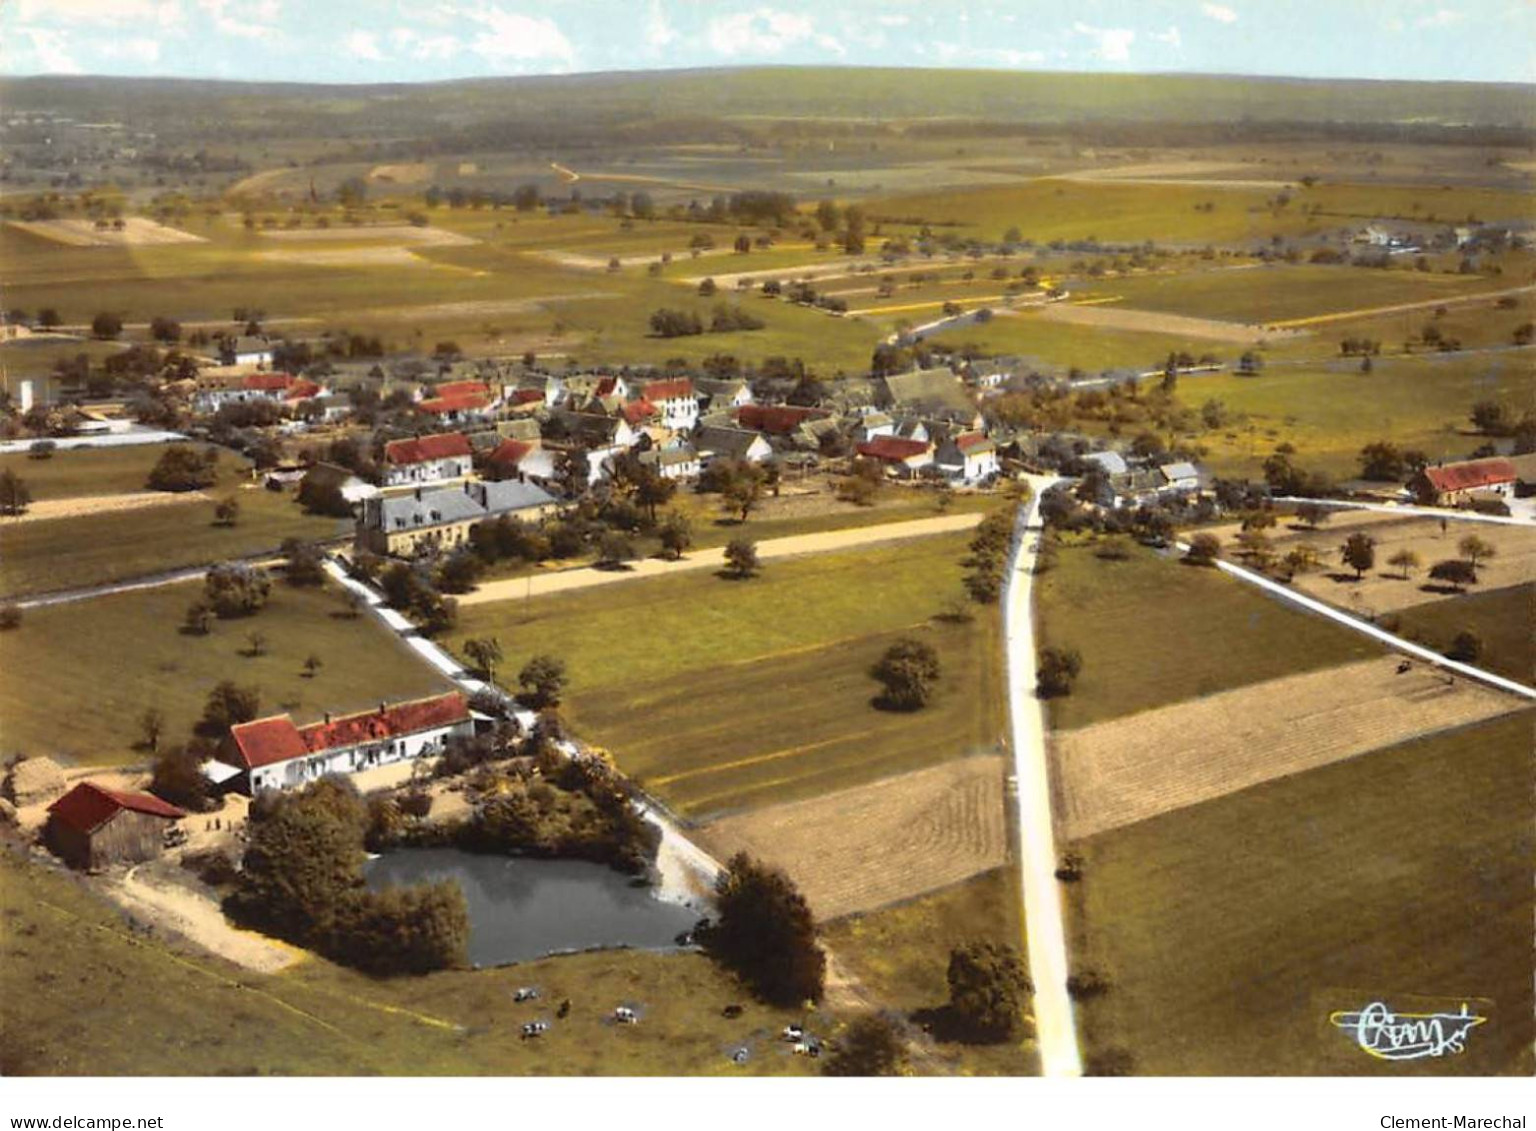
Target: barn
pixel 92 827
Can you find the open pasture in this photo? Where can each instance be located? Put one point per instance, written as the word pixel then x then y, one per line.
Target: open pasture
pixel 867 847
pixel 1138 767
pixel 1228 931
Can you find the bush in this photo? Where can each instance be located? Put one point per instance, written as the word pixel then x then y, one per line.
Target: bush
pixel 235 589
pixel 1467 648
pixel 908 672
pixel 871 1046
pixel 1059 668
pixel 1204 549
pixel 181 468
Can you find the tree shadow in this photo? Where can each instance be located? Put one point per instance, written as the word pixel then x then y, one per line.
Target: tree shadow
pixel 1441 590
pixel 734 575
pixel 945 1026
pixel 1342 578
pixel 887 704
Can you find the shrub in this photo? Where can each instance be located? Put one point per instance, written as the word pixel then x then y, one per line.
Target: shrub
pixel 908 672
pixel 1058 670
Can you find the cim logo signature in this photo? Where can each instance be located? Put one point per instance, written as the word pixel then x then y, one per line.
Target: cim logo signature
pixel 1387 1035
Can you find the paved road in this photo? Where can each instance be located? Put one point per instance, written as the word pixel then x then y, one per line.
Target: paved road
pixel 1055 1018
pixel 1313 605
pixel 536 585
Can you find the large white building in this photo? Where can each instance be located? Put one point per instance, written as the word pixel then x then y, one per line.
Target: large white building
pixel 427 459
pixel 273 753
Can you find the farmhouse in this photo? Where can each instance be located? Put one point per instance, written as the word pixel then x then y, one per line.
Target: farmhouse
pixel 245 351
pixel 673 463
pixel 719 394
pixel 676 400
pixel 1452 484
pixel 520 459
pixel 904 458
pixel 776 420
pixel 459 401
pixel 931 392
pixel 875 424
pixel 441 518
pixel 970 456
pixel 740 444
pixel 1180 478
pixel 275 388
pixel 92 827
pixel 273 753
pixel 426 459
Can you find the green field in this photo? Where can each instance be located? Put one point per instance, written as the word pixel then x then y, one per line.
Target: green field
pixel 900 955
pixel 1330 411
pixel 67 553
pixel 1153 631
pixel 1501 619
pixel 1263 295
pixel 77 472
pixel 65 655
pixel 1058 345
pixel 690 675
pixel 85 997
pixel 1230 930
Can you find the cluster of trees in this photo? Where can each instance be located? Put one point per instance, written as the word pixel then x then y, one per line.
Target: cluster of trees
pixel 668 323
pixel 766 934
pixel 989 557
pixel 183 468
pixel 302 879
pixel 236 589
pixel 1384 461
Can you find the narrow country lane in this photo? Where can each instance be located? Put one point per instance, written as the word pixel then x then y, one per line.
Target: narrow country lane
pixel 1055 1019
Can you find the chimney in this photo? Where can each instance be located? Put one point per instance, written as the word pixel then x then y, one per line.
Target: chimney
pixel 382 707
pixel 418 494
pixel 327 718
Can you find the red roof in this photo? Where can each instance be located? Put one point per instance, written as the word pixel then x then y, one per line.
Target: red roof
pixel 527 396
pixel 462 389
pixel 635 412
pixel 1470 475
pixel 776 419
pixel 966 441
pixel 442 445
pixel 89 806
pixel 302 390
pixel 265 741
pixel 892 449
pixel 268 382
pixel 457 402
pixel 675 389
pixel 510 453
pixel 607 387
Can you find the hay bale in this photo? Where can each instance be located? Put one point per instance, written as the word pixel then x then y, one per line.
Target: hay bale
pixel 35 781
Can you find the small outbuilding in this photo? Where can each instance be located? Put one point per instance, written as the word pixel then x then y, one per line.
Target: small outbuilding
pixel 92 826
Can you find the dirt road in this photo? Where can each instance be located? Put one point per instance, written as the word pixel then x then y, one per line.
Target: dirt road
pixel 1055 1019
pixel 564 580
pixel 199 920
pixel 85 505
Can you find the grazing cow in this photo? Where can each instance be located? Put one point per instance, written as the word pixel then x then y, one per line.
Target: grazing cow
pixel 526 993
pixel 793 1033
pixel 625 1016
pixel 739 1056
pixel 535 1029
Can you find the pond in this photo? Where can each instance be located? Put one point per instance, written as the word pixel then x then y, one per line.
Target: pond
pixel 521 908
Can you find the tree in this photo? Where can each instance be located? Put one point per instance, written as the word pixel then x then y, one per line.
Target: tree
pixel 1475 550
pixel 106 326
pixel 1359 553
pixel 15 495
pixel 676 535
pixel 1406 561
pixel 614 549
pixel 1467 647
pixel 305 564
pixel 1491 418
pixel 236 589
pixel 485 653
pixel 199 618
pixel 741 558
pixel 1382 461
pixel 312 665
pixel 909 673
pixel 182 468
pixel 988 990
pixel 1058 669
pixel 49 318
pixel 10 616
pixel 766 934
pixel 228 705
pixel 542 679
pixel 255 644
pixel 1458 572
pixel 744 490
pixel 226 512
pixel 1313 515
pixel 164 329
pixel 651 489
pixel 177 776
pixel 872 1045
pixel 151 728
pixel 827 216
pixel 1204 549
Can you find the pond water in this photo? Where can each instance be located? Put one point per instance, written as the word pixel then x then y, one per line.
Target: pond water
pixel 521 909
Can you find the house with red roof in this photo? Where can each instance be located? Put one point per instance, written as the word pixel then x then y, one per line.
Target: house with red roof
pixel 454 401
pixel 427 459
pixel 274 388
pixel 968 456
pixel 676 400
pixel 904 458
pixel 776 419
pixel 92 827
pixel 274 753
pixel 1451 484
pixel 521 459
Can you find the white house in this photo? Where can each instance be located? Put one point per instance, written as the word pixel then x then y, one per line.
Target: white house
pixel 427 459
pixel 740 444
pixel 904 458
pixel 246 351
pixel 673 463
pixel 970 456
pixel 676 400
pixel 273 753
pixel 723 394
pixel 876 424
pixel 275 388
pixel 1180 478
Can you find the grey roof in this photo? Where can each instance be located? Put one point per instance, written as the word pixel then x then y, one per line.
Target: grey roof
pixel 1182 470
pixel 424 508
pixel 511 495
pixel 1111 462
pixel 669 457
pixel 524 428
pixel 730 442
pixel 726 387
pixel 931 390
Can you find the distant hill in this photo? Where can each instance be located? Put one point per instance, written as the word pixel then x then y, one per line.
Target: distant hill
pixel 727 104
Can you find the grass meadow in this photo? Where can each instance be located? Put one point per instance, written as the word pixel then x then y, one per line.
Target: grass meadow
pixel 1230 930
pixel 1500 618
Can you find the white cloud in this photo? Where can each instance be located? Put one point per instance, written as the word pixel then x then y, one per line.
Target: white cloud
pixel 252 19
pixel 138 49
pixel 514 36
pixel 659 31
pixel 1441 17
pixel 364 45
pixel 420 46
pixel 1112 44
pixel 48 50
pixel 1170 37
pixel 897 20
pixel 766 31
pixel 1220 13
pixel 987 56
pixel 106 13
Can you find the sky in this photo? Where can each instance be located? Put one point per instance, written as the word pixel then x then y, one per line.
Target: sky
pixel 353 41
